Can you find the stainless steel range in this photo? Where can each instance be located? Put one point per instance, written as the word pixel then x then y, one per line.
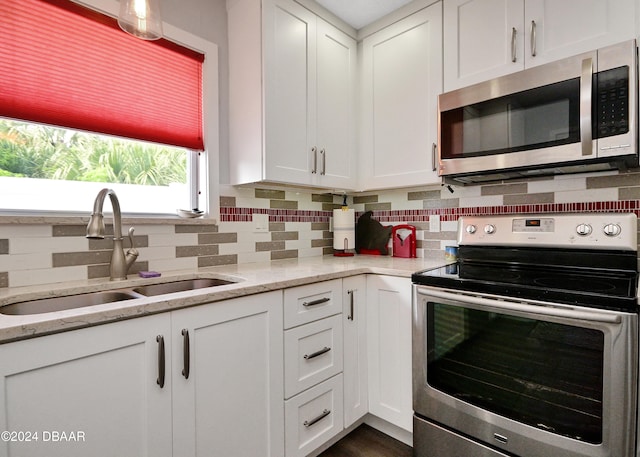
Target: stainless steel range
pixel 527 346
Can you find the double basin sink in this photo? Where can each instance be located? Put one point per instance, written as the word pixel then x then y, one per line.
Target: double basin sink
pixel 48 305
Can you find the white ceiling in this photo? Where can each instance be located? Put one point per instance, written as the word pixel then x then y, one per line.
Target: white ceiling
pixel 358 13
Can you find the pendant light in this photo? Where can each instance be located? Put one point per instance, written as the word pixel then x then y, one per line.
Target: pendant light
pixel 141 18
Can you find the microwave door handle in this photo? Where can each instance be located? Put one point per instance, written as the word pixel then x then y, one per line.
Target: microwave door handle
pixel 434 148
pixel 586 82
pixel 528 306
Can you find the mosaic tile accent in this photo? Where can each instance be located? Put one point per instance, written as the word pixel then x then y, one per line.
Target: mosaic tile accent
pixel 4 247
pixel 4 279
pixel 275 215
pixel 452 214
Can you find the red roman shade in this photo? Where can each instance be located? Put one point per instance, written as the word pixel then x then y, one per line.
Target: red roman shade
pixel 66 65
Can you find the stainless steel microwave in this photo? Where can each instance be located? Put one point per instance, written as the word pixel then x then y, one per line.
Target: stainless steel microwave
pixel 575 115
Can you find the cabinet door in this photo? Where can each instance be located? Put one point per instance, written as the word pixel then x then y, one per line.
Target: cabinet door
pixel 482 38
pixel 570 27
pixel 97 386
pixel 389 349
pixel 290 68
pixel 231 403
pixel 335 101
pixel 402 77
pixel 354 319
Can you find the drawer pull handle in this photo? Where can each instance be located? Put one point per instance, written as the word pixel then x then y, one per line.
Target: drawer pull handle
pixel 350 316
pixel 186 353
pixel 324 414
pixel 316 302
pixel 324 350
pixel 161 361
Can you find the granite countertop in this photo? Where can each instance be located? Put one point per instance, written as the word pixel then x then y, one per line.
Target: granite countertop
pixel 252 278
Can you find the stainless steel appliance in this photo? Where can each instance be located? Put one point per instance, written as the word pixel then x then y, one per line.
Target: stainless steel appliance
pixel 527 346
pixel 574 115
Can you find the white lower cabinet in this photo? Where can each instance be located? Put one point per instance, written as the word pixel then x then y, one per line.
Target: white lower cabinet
pixel 313 417
pixel 99 383
pixel 389 349
pixel 312 353
pixel 313 361
pixel 231 402
pixel 354 319
pixel 132 388
pixel 236 378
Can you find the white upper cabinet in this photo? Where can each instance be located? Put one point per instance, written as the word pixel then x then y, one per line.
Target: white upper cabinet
pixel 295 126
pixel 401 80
pixel 484 39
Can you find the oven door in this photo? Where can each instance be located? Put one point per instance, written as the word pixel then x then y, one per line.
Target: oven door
pixel 530 378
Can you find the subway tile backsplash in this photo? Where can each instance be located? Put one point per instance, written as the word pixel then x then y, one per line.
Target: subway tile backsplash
pixel 299 225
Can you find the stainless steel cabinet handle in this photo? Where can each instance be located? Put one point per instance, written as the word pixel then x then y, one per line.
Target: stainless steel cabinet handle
pixel 533 38
pixel 434 147
pixel 324 414
pixel 324 350
pixel 323 156
pixel 316 302
pixel 314 150
pixel 186 354
pixel 586 81
pixel 350 316
pixel 514 32
pixel 160 340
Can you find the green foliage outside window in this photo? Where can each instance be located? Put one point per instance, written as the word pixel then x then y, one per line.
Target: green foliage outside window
pixel 39 151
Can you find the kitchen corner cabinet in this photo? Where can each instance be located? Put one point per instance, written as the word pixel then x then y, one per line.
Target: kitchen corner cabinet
pixel 484 39
pixel 222 396
pixel 389 349
pixel 292 79
pixel 99 384
pixel 355 374
pixel 401 79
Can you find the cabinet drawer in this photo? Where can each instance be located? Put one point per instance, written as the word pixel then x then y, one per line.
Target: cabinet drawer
pixel 312 353
pixel 312 302
pixel 313 417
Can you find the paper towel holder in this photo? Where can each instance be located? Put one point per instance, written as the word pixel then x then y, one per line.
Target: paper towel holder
pixel 344 232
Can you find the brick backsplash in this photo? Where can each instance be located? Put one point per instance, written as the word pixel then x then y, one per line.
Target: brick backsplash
pixel 299 223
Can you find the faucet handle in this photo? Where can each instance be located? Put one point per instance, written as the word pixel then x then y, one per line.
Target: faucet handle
pixel 132 250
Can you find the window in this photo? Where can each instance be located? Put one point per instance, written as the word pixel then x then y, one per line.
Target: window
pixel 56 169
pixel 62 95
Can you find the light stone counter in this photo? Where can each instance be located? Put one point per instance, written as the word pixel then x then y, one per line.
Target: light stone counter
pixel 252 278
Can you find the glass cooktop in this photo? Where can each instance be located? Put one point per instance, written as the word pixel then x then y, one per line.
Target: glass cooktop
pixel 603 280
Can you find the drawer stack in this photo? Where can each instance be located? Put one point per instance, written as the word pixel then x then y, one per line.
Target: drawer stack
pixel 313 364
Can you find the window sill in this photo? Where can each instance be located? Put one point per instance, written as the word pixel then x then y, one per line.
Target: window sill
pixel 7 218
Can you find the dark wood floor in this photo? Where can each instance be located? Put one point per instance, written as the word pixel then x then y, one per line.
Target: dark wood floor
pixel 366 441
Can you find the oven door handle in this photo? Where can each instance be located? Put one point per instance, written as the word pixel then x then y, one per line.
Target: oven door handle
pixel 539 308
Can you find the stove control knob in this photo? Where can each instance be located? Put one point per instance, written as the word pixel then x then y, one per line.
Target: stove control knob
pixel 612 230
pixel 471 229
pixel 489 229
pixel 584 229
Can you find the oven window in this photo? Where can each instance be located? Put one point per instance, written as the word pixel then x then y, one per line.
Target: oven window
pixel 543 374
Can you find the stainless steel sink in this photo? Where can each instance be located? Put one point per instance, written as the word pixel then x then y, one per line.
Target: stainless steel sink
pixel 49 305
pixel 152 290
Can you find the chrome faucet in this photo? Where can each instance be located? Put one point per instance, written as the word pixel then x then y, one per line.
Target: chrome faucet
pixel 120 262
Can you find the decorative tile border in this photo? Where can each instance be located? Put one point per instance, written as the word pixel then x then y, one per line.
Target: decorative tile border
pixel 228 214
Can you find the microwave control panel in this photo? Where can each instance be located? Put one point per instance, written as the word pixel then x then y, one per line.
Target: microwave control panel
pixel 611 105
